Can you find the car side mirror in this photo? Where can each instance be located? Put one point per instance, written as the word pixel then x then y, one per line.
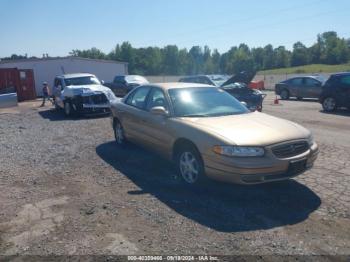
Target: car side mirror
pixel 102 82
pixel 159 111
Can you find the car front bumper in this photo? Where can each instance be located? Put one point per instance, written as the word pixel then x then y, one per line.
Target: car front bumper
pixel 256 170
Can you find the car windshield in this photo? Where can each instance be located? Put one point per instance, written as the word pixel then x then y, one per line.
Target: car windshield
pixel 78 81
pixel 218 80
pixel 204 102
pixel 135 78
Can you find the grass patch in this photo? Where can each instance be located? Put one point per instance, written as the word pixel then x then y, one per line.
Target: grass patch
pixel 308 69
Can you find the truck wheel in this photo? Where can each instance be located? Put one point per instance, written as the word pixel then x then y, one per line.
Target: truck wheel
pixel 329 104
pixel 68 108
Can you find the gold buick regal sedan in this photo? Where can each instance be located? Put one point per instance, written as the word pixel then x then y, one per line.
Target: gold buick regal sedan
pixel 208 133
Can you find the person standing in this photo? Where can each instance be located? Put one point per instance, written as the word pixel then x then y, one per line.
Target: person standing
pixel 46 93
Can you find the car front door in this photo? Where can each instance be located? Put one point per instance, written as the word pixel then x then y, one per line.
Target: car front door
pixel 295 86
pixel 57 92
pixel 156 127
pixel 135 114
pixel 344 91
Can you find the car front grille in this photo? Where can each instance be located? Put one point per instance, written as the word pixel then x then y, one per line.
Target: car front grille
pixel 290 150
pixel 95 99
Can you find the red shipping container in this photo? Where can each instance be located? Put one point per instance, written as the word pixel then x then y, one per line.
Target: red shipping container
pixel 19 81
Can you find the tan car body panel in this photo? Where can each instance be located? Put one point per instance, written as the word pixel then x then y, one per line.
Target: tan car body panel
pixel 160 133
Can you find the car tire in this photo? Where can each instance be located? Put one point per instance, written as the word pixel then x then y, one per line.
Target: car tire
pixel 119 133
pixel 284 94
pixel 329 104
pixel 190 166
pixel 68 109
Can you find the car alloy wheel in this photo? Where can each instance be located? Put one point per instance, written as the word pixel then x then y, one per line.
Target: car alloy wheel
pixel 119 133
pixel 189 167
pixel 329 104
pixel 284 94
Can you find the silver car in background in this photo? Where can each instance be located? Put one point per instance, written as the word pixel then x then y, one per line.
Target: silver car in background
pixel 300 87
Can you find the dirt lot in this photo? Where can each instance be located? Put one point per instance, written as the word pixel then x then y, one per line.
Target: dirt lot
pixel 65 188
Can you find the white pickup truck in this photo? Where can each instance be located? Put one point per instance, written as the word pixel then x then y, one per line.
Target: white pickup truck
pixel 81 94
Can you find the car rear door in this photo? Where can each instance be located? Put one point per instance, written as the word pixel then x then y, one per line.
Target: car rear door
pixel 311 88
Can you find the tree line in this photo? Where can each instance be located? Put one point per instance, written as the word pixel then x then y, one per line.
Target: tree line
pixel 170 60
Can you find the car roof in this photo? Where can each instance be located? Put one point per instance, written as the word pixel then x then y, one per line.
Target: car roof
pixel 75 75
pixel 341 74
pixel 172 85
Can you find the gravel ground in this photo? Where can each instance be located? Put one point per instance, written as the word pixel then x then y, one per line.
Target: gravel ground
pixel 66 189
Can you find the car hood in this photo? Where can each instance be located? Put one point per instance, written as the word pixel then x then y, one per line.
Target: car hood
pixel 87 90
pixel 250 129
pixel 242 77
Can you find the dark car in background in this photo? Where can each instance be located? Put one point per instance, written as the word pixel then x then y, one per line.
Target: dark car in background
pixel 300 87
pixel 236 86
pixel 123 84
pixel 336 92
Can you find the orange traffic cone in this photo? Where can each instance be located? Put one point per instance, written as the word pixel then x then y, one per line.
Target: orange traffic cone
pixel 276 101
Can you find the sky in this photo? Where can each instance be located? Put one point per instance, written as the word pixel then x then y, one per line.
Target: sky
pixel 56 27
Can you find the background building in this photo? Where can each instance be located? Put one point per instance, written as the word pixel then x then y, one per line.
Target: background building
pixel 46 69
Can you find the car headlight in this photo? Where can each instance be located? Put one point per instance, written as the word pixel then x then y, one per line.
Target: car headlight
pixel 240 151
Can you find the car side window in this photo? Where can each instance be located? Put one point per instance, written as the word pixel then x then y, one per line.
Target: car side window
pixel 345 80
pixel 138 97
pixel 189 80
pixel 204 80
pixel 311 82
pixel 296 81
pixel 157 98
pixel 119 79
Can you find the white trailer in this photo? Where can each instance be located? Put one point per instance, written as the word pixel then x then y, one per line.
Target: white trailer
pixel 46 69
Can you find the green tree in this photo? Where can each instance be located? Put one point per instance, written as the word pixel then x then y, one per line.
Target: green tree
pixel 299 55
pixel 282 57
pixel 268 57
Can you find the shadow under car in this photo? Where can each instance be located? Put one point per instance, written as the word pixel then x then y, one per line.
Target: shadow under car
pixel 58 115
pixel 222 207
